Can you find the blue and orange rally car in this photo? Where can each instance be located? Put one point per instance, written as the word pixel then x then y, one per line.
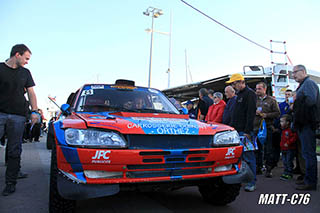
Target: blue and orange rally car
pixel 123 137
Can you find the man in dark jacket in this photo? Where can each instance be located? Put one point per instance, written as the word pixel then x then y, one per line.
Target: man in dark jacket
pixel 204 103
pixel 306 119
pixel 245 108
pixel 231 95
pixel 242 119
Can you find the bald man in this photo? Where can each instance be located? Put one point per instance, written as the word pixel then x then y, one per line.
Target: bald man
pixel 231 96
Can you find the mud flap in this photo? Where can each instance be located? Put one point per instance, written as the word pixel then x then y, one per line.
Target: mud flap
pixel 245 175
pixel 73 191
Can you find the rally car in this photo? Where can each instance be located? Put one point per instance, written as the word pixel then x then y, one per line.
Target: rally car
pixel 124 137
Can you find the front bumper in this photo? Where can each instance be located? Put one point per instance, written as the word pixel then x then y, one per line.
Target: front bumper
pixel 77 191
pixel 73 191
pixel 139 167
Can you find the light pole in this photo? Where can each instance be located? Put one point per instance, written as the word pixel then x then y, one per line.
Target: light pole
pixel 154 13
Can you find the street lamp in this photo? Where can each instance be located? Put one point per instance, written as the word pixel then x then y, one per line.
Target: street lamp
pixel 154 13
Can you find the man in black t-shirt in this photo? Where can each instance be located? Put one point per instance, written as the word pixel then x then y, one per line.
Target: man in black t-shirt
pixel 14 80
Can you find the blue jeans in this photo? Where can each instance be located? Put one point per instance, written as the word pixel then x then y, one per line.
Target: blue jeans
pixel 13 126
pixel 250 158
pixel 287 159
pixel 307 137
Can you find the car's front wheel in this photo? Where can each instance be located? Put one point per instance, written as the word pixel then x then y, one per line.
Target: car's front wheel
pixel 56 202
pixel 217 192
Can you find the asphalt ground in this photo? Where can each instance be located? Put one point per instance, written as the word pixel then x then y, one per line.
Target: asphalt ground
pixel 32 193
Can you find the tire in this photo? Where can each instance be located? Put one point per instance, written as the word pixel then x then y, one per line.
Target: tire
pixel 216 192
pixel 50 136
pixel 56 202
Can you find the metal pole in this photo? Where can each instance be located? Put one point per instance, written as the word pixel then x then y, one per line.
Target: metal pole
pixel 169 65
pixel 186 63
pixel 151 46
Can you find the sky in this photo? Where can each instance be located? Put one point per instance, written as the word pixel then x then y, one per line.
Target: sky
pixel 98 41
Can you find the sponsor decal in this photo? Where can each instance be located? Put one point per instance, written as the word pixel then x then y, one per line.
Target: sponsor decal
pixel 275 199
pixel 230 153
pixel 97 86
pixel 87 92
pixel 101 157
pixel 166 126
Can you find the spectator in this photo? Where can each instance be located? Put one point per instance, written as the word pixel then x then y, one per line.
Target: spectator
pixel 215 111
pixel 288 146
pixel 36 129
pixel 242 120
pixel 191 111
pixel 204 103
pixel 231 95
pixel 267 109
pixel 14 79
pixel 210 94
pixel 285 105
pixel 276 128
pixel 306 120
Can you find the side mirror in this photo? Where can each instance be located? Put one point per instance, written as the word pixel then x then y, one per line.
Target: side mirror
pixel 65 109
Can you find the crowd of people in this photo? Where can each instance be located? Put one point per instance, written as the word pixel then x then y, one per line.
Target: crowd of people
pixel 290 125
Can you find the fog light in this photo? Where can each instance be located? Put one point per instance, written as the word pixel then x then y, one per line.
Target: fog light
pixel 102 174
pixel 223 168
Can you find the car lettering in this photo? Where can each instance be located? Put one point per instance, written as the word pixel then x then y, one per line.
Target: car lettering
pixel 230 153
pixel 101 153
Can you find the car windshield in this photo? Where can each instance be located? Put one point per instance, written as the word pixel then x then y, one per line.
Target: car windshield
pixel 102 98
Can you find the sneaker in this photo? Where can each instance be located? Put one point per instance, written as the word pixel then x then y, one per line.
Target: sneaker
pixel 300 177
pixel 22 175
pixel 285 177
pixel 9 189
pixel 250 188
pixel 306 187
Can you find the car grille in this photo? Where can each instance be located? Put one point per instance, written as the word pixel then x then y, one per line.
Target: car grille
pixel 170 165
pixel 174 157
pixel 169 141
pixel 168 169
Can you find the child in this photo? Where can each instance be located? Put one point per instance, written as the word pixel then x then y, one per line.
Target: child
pixel 287 144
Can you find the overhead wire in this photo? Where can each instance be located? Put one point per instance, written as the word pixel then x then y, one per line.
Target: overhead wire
pixel 228 28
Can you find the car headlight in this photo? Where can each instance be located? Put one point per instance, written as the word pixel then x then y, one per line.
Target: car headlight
pixel 226 138
pixel 87 137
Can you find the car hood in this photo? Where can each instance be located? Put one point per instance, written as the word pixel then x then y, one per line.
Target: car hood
pixel 144 123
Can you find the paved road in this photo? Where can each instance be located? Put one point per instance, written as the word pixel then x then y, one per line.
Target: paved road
pixel 32 193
